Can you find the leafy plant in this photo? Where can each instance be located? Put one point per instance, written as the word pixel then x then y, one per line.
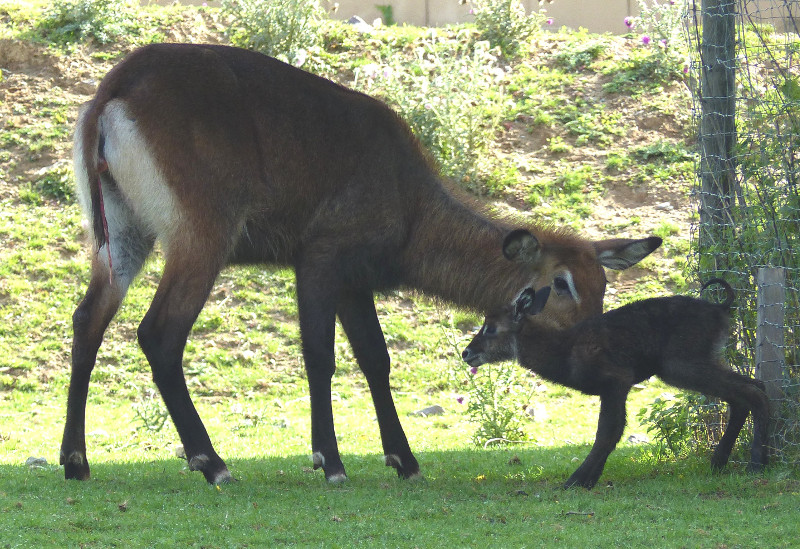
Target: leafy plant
pixel 495 400
pixel 505 24
pixel 445 96
pixel 286 29
pixel 387 14
pixel 683 423
pixel 151 412
pixel 104 21
pixel 57 183
pixel 579 53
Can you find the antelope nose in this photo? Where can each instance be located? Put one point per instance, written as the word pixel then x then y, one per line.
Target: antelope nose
pixel 466 354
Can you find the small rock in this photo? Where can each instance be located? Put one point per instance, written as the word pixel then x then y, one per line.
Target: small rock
pixel 663 206
pixel 36 463
pixel 85 87
pixel 637 438
pixel 360 25
pixel 434 410
pixel 537 412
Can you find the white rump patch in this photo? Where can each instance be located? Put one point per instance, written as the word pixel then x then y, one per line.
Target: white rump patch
pixel 136 172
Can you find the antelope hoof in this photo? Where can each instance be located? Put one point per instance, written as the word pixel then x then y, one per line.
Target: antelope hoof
pixel 75 466
pixel 215 474
pixel 332 476
pixel 336 478
pixel 410 473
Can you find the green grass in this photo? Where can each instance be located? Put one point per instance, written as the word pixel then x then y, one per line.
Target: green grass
pixel 244 369
pixel 495 497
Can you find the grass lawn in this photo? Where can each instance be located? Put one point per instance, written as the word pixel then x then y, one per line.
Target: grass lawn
pixel 243 365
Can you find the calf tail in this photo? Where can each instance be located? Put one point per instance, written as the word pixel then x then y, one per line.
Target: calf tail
pixel 729 293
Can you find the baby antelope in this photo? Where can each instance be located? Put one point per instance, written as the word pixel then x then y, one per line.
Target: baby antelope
pixel 678 338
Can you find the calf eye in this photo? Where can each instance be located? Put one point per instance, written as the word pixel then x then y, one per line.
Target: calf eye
pixel 561 286
pixel 489 330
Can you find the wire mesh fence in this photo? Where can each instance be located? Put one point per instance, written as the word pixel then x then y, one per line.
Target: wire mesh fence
pixel 745 66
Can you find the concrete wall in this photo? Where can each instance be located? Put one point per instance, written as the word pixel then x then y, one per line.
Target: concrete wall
pixel 594 15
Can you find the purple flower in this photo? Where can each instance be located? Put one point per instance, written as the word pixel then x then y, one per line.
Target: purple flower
pixel 460 400
pixel 473 370
pixel 663 43
pixel 549 20
pixel 645 40
pixel 629 22
pixel 686 69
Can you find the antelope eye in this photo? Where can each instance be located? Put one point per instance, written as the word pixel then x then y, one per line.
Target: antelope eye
pixel 489 330
pixel 561 286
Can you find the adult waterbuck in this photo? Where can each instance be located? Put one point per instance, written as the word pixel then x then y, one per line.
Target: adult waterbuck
pixel 228 156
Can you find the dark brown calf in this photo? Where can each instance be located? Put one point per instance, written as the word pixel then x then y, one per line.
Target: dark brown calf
pixel 678 339
pixel 227 156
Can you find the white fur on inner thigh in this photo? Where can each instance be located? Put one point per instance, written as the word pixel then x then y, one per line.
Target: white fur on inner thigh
pixel 136 173
pixel 140 207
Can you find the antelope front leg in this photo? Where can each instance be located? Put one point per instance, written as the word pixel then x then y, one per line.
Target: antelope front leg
pixel 360 322
pixel 610 427
pixel 316 308
pixel 89 322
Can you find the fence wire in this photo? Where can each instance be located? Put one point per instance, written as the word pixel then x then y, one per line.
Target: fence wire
pixel 747 111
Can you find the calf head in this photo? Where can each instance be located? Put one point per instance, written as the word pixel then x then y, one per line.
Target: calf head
pixel 496 340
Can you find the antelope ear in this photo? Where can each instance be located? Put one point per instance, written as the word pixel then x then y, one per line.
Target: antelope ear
pixel 520 245
pixel 621 253
pixel 531 302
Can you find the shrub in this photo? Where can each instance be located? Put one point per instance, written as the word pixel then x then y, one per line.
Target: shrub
pixel 104 21
pixel 684 423
pixel 446 98
pixel 505 25
pixel 285 29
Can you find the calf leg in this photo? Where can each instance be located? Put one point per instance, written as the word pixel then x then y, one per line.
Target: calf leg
pixel 743 395
pixel 360 322
pixel 610 427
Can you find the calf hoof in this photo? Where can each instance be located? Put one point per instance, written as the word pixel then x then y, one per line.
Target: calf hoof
pixel 213 468
pixel 754 467
pixel 578 480
pixel 75 466
pixel 718 462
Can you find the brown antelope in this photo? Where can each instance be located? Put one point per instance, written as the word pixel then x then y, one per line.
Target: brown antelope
pixel 678 339
pixel 227 156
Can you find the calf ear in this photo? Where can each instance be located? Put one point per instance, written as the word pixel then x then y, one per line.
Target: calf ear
pixel 530 302
pixel 539 301
pixel 520 245
pixel 621 253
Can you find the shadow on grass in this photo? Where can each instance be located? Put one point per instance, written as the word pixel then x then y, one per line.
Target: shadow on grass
pixel 509 497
